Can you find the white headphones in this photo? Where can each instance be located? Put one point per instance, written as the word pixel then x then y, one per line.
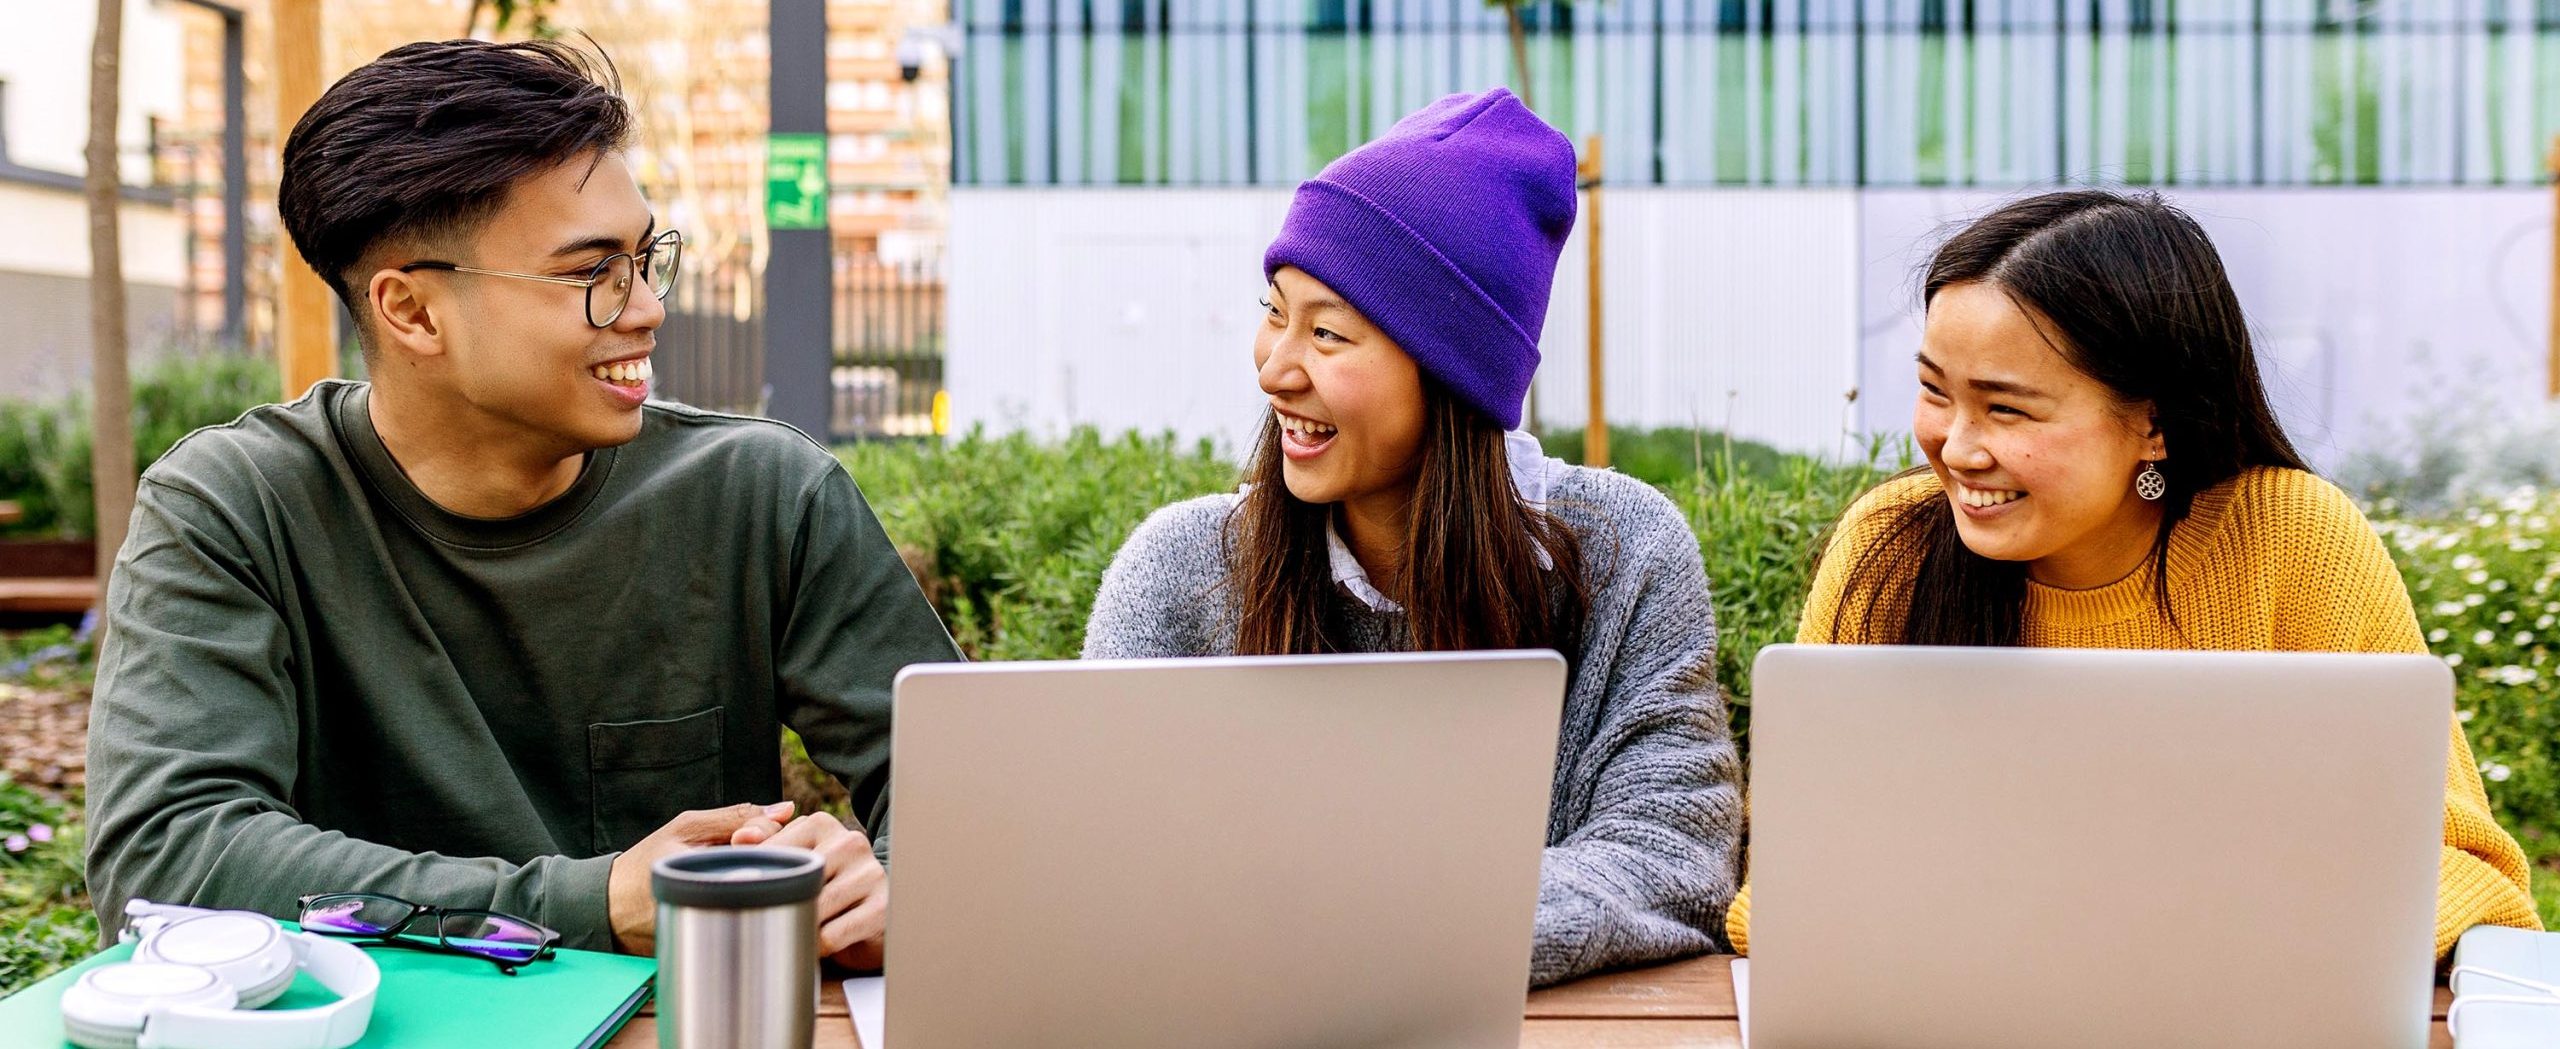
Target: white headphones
pixel 199 975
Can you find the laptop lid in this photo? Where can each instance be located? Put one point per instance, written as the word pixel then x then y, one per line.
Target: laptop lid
pixel 1290 851
pixel 2041 847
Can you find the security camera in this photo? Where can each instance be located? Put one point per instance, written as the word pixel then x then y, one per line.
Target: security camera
pixel 920 43
pixel 911 56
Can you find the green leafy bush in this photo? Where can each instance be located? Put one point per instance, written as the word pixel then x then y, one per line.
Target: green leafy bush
pixel 2486 582
pixel 26 818
pixel 44 447
pixel 45 923
pixel 42 941
pixel 1666 456
pixel 22 426
pixel 49 658
pixel 44 465
pixel 1760 527
pixel 1010 535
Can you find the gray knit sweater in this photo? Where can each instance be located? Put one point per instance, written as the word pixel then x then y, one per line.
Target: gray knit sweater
pixel 1644 824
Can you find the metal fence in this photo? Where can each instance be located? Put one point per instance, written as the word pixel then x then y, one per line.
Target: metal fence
pixel 711 348
pixel 887 346
pixel 888 341
pixel 1778 92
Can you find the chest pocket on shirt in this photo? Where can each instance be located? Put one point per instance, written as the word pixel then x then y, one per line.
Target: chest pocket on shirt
pixel 641 773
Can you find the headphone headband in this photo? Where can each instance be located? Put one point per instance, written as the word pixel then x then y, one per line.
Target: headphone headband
pixel 341 967
pixel 116 1005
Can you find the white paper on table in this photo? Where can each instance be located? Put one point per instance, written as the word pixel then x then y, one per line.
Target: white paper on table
pixel 865 998
pixel 1741 1000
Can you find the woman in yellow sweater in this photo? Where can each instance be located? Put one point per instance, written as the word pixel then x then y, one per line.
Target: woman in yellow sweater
pixel 2105 472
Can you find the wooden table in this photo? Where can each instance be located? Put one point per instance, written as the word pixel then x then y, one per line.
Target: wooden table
pixel 1685 1004
pixel 51 596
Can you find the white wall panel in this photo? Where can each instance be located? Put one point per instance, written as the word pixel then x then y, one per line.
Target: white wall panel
pixel 1752 310
pixel 1730 309
pixel 1135 309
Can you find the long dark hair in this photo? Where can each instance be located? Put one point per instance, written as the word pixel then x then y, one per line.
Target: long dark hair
pixel 1470 574
pixel 2131 292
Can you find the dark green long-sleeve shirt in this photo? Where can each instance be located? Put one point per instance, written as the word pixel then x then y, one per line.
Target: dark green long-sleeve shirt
pixel 317 680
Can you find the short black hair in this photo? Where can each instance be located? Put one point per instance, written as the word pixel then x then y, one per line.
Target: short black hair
pixel 423 143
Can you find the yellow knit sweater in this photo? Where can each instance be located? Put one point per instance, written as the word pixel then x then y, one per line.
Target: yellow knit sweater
pixel 2270 560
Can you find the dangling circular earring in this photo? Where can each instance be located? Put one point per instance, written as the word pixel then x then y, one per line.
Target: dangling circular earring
pixel 2150 484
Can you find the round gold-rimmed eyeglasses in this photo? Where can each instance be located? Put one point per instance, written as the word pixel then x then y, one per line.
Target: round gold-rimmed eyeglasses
pixel 654 265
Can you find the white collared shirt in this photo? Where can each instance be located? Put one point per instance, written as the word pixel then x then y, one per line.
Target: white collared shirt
pixel 1533 473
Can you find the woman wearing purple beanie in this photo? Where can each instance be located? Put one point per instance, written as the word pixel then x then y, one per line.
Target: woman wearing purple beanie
pixel 1390 507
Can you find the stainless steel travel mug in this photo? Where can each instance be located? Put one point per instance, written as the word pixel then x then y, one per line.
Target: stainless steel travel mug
pixel 737 947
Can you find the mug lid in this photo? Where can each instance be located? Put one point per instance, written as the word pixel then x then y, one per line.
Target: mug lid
pixel 736 877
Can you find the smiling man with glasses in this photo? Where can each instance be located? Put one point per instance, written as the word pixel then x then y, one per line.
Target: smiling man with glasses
pixel 493 631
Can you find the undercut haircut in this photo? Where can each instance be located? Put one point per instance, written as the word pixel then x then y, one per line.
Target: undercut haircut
pixel 421 145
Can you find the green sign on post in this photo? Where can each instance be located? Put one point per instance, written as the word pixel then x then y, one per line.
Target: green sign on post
pixel 795 180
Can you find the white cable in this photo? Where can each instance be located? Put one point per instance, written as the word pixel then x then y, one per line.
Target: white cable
pixel 2492 974
pixel 2452 1023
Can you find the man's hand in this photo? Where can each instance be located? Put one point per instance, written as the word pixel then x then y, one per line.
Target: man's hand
pixel 630 905
pixel 853 906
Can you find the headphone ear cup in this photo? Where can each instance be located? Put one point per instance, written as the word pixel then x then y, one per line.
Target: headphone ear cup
pixel 246 949
pixel 259 996
pixel 271 988
pixel 88 1035
pixel 107 1007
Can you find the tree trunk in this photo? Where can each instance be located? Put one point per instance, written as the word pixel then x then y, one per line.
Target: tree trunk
pixel 1520 55
pixel 111 385
pixel 1529 98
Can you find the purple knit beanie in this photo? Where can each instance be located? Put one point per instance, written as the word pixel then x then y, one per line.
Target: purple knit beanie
pixel 1444 232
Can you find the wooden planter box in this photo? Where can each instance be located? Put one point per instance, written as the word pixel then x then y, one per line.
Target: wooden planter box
pixel 55 558
pixel 48 576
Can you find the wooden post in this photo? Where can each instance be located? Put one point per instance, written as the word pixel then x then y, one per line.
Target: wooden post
pixel 305 340
pixel 1595 432
pixel 111 468
pixel 2551 382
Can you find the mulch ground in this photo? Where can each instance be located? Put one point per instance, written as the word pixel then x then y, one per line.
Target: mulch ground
pixel 44 735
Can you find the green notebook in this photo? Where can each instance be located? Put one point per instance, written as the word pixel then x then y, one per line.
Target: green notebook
pixel 576 1000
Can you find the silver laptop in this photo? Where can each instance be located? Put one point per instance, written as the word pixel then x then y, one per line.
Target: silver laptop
pixel 1297 851
pixel 2031 848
